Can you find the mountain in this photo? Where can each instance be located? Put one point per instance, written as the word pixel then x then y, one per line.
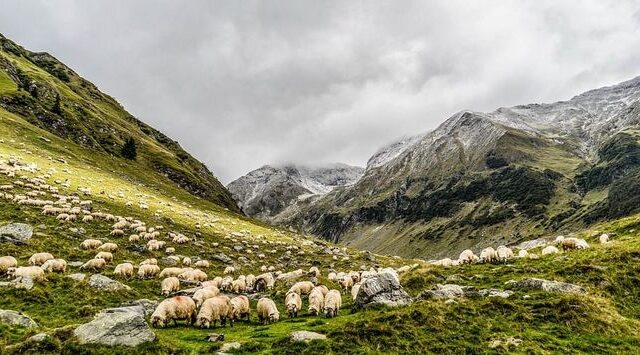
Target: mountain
pixel 266 192
pixel 392 150
pixel 485 178
pixel 51 96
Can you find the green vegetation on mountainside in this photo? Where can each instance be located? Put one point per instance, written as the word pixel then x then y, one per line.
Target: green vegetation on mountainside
pixel 49 95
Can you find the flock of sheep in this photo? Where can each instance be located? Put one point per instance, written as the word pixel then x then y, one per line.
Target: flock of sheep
pixel 503 253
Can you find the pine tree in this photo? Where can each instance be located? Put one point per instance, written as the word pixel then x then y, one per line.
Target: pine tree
pixel 129 149
pixel 56 105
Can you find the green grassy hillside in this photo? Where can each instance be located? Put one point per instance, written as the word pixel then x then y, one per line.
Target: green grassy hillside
pixel 49 95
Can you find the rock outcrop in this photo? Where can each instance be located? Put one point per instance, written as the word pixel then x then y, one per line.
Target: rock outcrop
pixel 545 285
pixel 382 289
pixel 116 326
pixel 15 318
pixel 17 233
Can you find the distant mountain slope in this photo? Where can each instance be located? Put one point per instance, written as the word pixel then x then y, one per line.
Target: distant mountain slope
pixel 482 178
pixel 51 96
pixel 265 192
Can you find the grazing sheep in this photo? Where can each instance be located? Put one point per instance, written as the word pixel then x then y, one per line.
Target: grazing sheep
pixel 354 290
pixel 55 265
pixel 574 243
pixel 170 250
pixel 117 233
pixel 175 308
pixel 134 238
pixel 148 271
pixel 203 264
pixel 332 276
pixel 193 275
pixel 170 284
pixel 110 247
pixel 229 270
pixel 314 271
pixel 152 261
pixel 217 282
pixel 170 271
pixel 94 265
pixel 523 253
pixel 267 311
pixel 550 250
pixel 488 255
pixel 316 301
pixel 214 309
pixel 467 257
pixel 302 287
pixel 107 256
pixel 124 270
pixel 332 303
pixel 239 286
pixel 90 244
pixel 186 261
pixel 240 308
pixel 250 280
pixel 34 272
pixel 558 240
pixel 226 284
pixel 293 303
pixel 87 218
pixel 503 253
pixel 604 239
pixel 346 282
pixel 266 281
pixel 204 294
pixel 7 262
pixel 40 258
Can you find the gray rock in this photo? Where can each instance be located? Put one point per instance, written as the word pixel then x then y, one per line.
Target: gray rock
pixel 494 292
pixel 24 282
pixel 169 261
pixel 229 346
pixel 17 233
pixel 444 292
pixel 75 263
pixel 116 326
pixel 10 317
pixel 77 276
pixel 383 288
pixel 38 338
pixel 102 282
pixel 307 336
pixel 546 285
pixel 238 248
pixel 222 257
pixel 530 244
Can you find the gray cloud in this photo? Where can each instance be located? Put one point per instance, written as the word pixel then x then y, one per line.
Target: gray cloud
pixel 241 84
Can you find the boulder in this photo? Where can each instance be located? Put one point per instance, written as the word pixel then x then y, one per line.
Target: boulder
pixel 383 288
pixel 102 282
pixel 10 317
pixel 116 326
pixel 17 233
pixel 229 346
pixel 444 292
pixel 307 336
pixel 148 306
pixel 75 263
pixel 546 285
pixel 494 292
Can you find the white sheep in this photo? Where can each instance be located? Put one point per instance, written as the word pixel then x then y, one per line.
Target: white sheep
pixel 90 244
pixel 550 249
pixel 40 258
pixel 267 311
pixel 125 270
pixel 204 294
pixel 94 264
pixel 110 247
pixel 293 303
pixel 503 253
pixel 169 284
pixel 148 271
pixel 240 308
pixel 332 303
pixel 488 255
pixel 213 310
pixel 7 262
pixel 467 257
pixel 55 265
pixel 107 256
pixel 604 239
pixel 175 308
pixel 34 272
pixel 316 301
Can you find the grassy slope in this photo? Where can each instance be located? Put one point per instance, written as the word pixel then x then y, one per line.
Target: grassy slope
pixel 29 84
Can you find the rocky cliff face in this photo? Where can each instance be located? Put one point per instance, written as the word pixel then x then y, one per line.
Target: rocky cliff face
pixel 482 178
pixel 266 192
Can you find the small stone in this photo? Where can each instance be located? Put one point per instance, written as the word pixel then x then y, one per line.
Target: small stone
pixel 10 317
pixel 229 346
pixel 23 282
pixel 104 283
pixel 546 285
pixel 307 336
pixel 75 263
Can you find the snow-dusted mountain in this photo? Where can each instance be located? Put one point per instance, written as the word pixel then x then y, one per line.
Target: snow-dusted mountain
pixel 265 192
pixel 481 178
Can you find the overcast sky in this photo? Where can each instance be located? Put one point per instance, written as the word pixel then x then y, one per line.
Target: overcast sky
pixel 244 83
